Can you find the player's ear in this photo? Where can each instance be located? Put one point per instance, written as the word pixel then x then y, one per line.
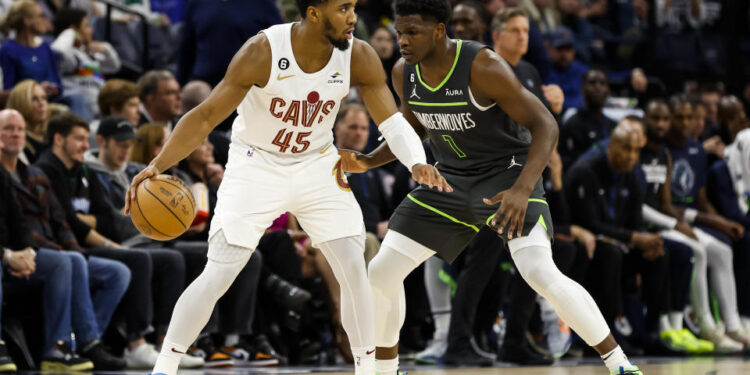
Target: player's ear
pixel 439 31
pixel 314 14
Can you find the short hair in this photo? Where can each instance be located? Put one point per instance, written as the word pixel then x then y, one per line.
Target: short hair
pixel 115 93
pixel 193 94
pixel 304 4
pixel 436 10
pixel 63 124
pixel 504 15
pixel 346 108
pixel 678 100
pixel 656 101
pixel 17 12
pixel 67 17
pixel 149 82
pixel 147 138
pixel 592 71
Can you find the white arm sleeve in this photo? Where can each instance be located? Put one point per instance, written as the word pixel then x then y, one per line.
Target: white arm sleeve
pixel 403 140
pixel 657 218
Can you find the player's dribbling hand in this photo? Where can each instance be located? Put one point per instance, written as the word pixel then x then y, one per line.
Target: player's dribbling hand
pixel 353 161
pixel 512 211
pixel 148 172
pixel 426 174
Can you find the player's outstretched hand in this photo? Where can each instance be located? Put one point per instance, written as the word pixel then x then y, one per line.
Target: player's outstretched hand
pixel 353 161
pixel 426 174
pixel 148 172
pixel 512 211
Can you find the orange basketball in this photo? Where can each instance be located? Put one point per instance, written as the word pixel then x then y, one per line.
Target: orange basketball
pixel 163 207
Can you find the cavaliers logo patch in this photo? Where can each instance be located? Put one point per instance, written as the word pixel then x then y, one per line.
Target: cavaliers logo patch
pixel 341 181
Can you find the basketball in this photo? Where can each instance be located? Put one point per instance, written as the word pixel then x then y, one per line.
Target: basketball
pixel 163 208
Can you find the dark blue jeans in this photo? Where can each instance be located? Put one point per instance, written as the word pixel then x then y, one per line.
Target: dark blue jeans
pixel 67 296
pixel 54 270
pixel 98 286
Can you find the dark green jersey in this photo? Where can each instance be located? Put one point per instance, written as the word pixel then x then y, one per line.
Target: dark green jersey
pixel 465 138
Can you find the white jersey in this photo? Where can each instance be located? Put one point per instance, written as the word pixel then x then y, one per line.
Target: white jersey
pixel 293 115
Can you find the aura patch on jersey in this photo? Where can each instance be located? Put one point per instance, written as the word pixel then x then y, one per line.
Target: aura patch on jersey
pixel 341 181
pixel 302 112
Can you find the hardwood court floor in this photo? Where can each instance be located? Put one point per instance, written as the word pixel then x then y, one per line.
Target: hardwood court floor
pixel 650 366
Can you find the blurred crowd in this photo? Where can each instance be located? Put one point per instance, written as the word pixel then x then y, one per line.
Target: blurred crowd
pixel 648 187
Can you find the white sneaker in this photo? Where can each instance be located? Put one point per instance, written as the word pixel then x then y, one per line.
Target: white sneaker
pixel 189 361
pixel 722 342
pixel 741 335
pixel 142 357
pixel 434 352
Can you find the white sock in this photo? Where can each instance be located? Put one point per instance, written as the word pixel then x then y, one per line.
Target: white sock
pixel 616 359
pixel 232 339
pixel 364 361
pixel 386 366
pixel 675 320
pixel 664 324
pixel 169 358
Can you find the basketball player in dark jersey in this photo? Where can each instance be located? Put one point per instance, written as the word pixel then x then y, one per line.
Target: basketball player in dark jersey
pixel 492 139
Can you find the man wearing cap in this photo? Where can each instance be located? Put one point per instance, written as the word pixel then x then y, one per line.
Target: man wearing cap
pixel 115 137
pixel 566 72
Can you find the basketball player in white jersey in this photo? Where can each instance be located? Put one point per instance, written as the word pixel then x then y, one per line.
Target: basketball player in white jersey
pixel 286 84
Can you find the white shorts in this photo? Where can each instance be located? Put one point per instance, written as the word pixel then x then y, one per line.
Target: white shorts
pixel 256 190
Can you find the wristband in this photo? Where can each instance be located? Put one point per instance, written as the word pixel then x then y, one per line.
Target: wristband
pixel 690 214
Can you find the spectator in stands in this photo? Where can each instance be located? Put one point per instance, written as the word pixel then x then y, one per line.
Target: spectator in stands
pixel 120 97
pixel 193 94
pixel 566 71
pixel 28 56
pixel 115 138
pixel 29 98
pixel 149 139
pixel 199 167
pixel 589 125
pixel 688 188
pixel 161 98
pixel 541 12
pixel 468 22
pixel 510 34
pixel 52 268
pixel 383 41
pixel 92 219
pixel 352 131
pixel 83 62
pixel 617 215
pixel 108 279
pixel 569 15
pixel 214 31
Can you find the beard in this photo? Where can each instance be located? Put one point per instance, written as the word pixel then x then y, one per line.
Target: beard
pixel 341 44
pixel 652 135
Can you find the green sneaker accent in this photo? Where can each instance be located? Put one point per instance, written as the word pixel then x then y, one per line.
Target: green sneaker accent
pixel 695 345
pixel 630 370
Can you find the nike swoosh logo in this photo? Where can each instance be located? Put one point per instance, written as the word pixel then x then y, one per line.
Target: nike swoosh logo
pixel 370 352
pixel 280 77
pixel 177 351
pixel 325 149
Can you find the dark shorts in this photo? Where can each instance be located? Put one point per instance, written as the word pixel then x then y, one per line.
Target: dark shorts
pixel 446 222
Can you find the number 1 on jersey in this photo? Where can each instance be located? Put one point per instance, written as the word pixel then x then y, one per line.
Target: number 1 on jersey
pixel 453 145
pixel 283 139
